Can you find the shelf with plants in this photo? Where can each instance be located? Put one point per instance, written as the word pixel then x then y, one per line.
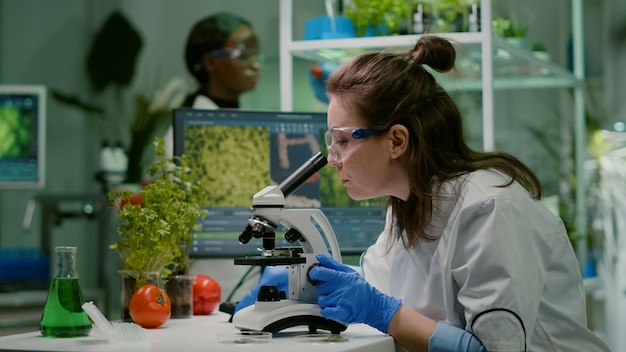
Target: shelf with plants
pixel 485 63
pixel 513 67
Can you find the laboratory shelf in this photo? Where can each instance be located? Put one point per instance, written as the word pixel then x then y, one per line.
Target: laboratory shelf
pixel 485 63
pixel 513 67
pixel 338 50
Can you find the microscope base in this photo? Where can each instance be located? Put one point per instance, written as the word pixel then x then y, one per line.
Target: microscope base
pixel 276 316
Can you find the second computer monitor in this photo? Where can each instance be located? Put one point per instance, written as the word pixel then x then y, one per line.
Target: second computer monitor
pixel 236 153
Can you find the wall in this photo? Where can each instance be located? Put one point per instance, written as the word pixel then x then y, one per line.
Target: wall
pixel 46 42
pixel 40 47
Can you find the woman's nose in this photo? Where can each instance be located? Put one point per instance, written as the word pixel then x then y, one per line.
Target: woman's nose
pixel 331 161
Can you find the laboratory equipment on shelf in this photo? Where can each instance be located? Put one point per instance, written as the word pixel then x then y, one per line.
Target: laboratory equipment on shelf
pixel 274 310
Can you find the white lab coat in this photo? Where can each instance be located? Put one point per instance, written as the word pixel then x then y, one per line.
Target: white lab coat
pixel 502 267
pixel 201 102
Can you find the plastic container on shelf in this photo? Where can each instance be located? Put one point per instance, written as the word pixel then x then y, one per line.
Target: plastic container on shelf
pixel 24 264
pixel 327 27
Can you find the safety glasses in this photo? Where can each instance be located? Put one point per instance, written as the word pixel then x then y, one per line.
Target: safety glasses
pixel 341 141
pixel 244 55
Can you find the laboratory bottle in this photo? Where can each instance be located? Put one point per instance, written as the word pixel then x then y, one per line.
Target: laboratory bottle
pixel 63 315
pixel 474 19
pixel 418 20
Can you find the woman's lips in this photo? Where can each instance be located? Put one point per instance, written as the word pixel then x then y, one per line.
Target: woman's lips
pixel 253 77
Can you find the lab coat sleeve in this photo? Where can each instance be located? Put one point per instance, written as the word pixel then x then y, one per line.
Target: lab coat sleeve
pixel 499 266
pixel 449 338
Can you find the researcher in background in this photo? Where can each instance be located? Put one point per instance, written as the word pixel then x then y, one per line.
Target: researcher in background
pixel 470 259
pixel 222 53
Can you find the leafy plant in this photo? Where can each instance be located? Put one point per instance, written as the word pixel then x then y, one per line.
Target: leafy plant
pixel 594 120
pixel 445 15
pixel 152 116
pixel 157 229
pixel 539 46
pixel 110 64
pixel 511 25
pixel 366 14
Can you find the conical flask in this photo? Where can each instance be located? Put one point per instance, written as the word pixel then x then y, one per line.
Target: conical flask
pixel 63 315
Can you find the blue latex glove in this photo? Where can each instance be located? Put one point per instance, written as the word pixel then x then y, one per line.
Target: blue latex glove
pixel 344 295
pixel 272 276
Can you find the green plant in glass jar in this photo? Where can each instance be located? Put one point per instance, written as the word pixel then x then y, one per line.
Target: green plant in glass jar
pixel 158 222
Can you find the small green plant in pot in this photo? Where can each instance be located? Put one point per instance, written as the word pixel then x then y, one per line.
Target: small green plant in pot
pixel 377 17
pixel 158 222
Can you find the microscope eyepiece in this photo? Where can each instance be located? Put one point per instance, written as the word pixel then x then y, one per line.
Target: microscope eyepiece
pixel 298 177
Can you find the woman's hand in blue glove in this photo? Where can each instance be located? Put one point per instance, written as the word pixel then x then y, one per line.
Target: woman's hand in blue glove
pixel 344 295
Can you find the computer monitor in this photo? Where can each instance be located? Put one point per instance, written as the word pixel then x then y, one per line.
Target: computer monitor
pixel 237 153
pixel 22 136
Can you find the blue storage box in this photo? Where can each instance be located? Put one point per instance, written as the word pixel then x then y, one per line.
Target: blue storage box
pixel 24 264
pixel 322 28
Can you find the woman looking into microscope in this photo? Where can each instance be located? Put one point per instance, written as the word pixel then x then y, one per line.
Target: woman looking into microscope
pixel 470 259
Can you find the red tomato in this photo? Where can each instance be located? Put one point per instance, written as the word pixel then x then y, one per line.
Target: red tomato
pixel 207 294
pixel 150 306
pixel 135 199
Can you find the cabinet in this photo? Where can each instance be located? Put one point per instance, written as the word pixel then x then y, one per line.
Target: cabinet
pixel 494 63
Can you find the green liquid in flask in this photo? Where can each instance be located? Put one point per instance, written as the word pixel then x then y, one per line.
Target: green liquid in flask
pixel 63 315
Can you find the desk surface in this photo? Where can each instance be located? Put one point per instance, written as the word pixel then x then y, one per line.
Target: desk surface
pixel 199 333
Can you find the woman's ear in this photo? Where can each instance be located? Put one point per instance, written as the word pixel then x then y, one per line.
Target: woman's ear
pixel 399 139
pixel 208 61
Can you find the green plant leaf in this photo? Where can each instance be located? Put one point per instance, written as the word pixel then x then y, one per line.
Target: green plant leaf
pixel 77 102
pixel 113 56
pixel 156 235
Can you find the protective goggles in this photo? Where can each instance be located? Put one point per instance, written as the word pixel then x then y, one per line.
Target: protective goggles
pixel 244 55
pixel 341 141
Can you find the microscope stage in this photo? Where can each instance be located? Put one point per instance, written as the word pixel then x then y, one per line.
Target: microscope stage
pixel 269 261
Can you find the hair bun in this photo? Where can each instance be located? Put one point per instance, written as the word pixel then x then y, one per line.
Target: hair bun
pixel 436 52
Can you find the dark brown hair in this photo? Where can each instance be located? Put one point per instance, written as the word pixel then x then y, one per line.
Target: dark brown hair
pixel 385 88
pixel 206 35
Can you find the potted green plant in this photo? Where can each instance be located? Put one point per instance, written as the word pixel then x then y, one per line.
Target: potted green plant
pixel 445 15
pixel 377 17
pixel 158 222
pixel 513 28
pixel 540 51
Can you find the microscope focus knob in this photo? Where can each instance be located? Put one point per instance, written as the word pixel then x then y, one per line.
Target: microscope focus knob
pixel 270 293
pixel 293 235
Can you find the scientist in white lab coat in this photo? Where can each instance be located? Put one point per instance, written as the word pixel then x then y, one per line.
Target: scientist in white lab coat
pixel 470 259
pixel 222 54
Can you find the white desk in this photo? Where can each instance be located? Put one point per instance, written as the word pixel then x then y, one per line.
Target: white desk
pixel 199 333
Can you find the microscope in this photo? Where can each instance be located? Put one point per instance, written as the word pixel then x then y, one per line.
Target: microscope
pixel 276 310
